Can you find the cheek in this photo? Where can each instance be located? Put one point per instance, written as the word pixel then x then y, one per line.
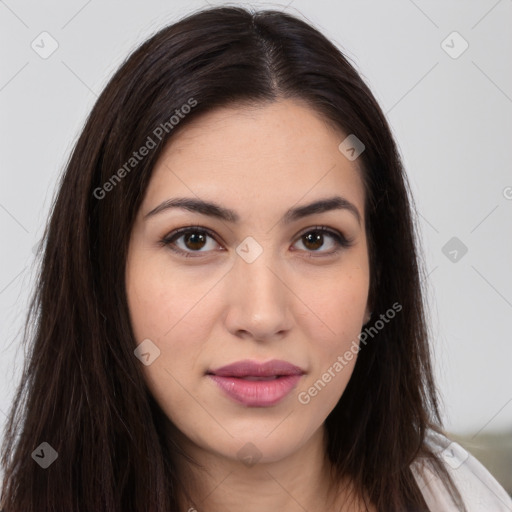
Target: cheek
pixel 337 304
pixel 179 310
pixel 175 311
pixel 337 311
pixel 163 303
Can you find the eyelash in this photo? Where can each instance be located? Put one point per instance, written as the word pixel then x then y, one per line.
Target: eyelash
pixel 341 241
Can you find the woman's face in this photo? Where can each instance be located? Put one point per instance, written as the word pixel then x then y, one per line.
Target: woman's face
pixel 252 279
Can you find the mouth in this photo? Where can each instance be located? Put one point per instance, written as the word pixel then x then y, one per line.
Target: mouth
pixel 251 377
pixel 256 384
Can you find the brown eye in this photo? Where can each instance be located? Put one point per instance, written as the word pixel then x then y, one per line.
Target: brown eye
pixel 194 241
pixel 190 241
pixel 323 238
pixel 313 240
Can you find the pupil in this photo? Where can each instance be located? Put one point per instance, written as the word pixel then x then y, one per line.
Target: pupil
pixel 313 240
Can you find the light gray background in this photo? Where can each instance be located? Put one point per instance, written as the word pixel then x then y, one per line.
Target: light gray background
pixel 451 118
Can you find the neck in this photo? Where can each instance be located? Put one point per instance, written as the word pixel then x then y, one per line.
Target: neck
pixel 301 481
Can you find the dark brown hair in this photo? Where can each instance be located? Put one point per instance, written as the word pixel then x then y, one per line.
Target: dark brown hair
pixel 83 390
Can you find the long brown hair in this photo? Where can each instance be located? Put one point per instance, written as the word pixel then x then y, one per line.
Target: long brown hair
pixel 83 390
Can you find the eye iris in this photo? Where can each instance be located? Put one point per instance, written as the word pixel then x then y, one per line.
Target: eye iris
pixel 313 238
pixel 192 239
pixel 196 240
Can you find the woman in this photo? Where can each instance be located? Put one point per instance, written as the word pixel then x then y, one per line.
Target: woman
pixel 229 313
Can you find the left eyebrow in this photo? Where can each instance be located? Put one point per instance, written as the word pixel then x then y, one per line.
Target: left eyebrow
pixel 323 205
pixel 214 210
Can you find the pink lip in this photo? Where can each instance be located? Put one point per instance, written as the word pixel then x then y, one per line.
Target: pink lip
pixel 234 380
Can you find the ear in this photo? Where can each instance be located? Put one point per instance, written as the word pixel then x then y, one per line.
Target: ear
pixel 367 314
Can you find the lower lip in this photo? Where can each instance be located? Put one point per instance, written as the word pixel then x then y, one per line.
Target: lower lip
pixel 257 393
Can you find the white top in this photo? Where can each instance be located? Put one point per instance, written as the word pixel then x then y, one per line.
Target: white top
pixel 478 488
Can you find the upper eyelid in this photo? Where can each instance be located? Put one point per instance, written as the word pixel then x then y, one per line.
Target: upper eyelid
pixel 325 229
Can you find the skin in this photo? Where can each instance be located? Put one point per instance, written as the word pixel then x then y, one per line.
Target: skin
pixel 215 308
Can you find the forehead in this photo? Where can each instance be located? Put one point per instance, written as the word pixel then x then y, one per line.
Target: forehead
pixel 278 153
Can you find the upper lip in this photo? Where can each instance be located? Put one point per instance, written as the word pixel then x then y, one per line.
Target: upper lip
pixel 248 368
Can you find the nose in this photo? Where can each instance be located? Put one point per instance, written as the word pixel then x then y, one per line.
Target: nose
pixel 260 300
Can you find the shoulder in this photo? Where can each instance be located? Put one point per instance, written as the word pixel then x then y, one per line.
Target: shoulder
pixel 478 488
